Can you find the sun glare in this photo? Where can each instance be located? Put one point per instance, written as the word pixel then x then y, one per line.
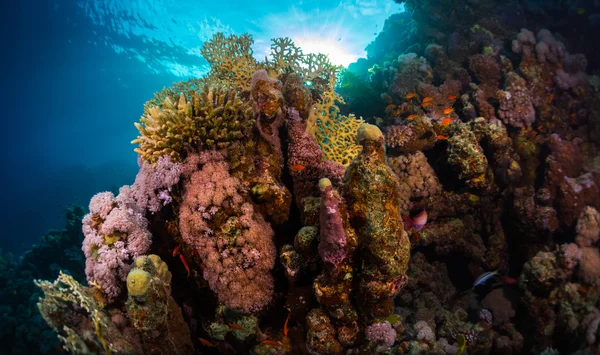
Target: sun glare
pixel 333 48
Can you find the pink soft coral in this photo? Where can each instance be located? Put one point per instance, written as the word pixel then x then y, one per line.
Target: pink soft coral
pixel 234 243
pixel 115 234
pixel 382 333
pixel 153 183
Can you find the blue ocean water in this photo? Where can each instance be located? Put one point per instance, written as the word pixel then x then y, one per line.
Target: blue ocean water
pixel 77 73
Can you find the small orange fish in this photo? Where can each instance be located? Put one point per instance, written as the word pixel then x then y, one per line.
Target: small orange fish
pixel 427 99
pixel 412 117
pixel 206 342
pixel 426 104
pixel 533 133
pixel 187 268
pixel 237 327
pixel 176 250
pixel 539 128
pixel 390 106
pixel 410 95
pixel 285 325
pixel 442 138
pixel 446 121
pixel 272 343
pixel 573 114
pixel 448 111
pixel 297 167
pixel 452 97
pixel 550 97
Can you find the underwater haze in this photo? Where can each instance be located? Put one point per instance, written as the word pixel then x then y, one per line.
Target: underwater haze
pixel 300 177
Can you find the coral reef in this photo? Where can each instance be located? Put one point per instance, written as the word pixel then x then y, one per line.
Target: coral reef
pixel 268 218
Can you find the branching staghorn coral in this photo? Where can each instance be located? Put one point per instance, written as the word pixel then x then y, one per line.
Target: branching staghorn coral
pixel 211 117
pixel 231 60
pixel 232 65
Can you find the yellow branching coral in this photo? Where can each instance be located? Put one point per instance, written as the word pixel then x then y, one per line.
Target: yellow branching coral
pixel 335 133
pixel 187 87
pixel 232 63
pixel 231 60
pixel 171 126
pixel 284 54
pixel 318 69
pixel 211 117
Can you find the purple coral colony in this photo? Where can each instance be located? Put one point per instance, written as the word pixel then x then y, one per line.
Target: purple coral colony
pixel 268 218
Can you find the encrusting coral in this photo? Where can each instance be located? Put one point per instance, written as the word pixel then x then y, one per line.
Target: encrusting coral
pixel 371 191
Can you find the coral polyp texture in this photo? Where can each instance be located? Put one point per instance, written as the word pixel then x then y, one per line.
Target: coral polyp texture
pixel 211 117
pixel 457 214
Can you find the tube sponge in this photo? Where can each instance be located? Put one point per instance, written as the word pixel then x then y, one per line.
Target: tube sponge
pixel 332 245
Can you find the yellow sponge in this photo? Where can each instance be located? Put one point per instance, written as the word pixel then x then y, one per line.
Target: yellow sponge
pixel 138 282
pixel 368 131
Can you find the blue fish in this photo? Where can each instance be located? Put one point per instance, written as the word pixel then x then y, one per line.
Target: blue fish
pixel 484 277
